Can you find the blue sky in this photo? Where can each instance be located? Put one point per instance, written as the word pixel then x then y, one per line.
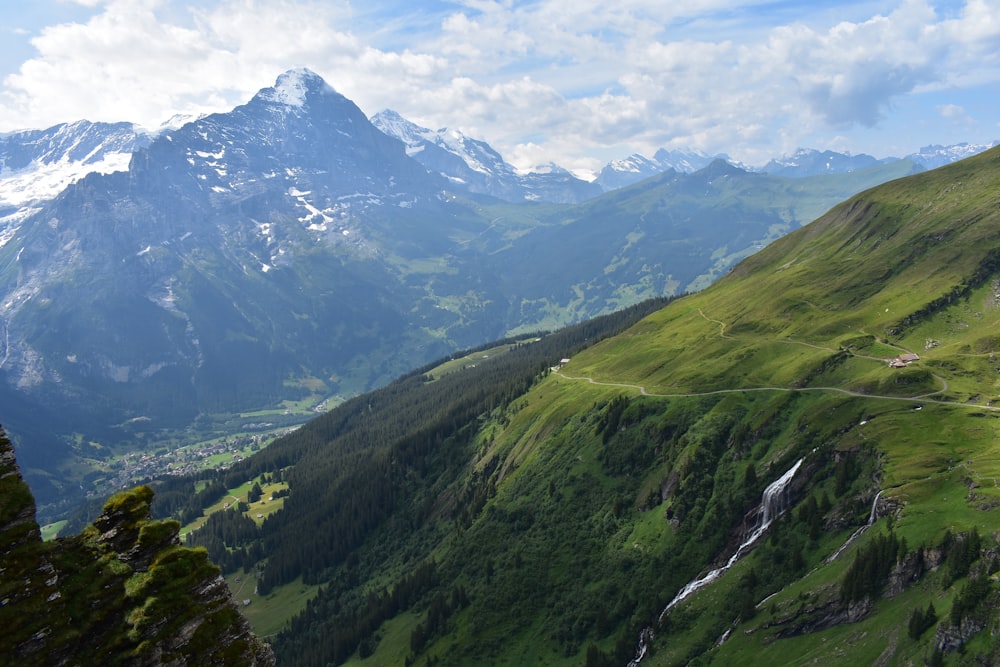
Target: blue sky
pixel 576 82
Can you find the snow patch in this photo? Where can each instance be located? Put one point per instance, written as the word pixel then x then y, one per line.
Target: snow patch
pixel 266 231
pixel 7 234
pixel 39 181
pixel 291 89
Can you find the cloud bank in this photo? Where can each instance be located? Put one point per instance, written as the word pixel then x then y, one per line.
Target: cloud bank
pixel 576 82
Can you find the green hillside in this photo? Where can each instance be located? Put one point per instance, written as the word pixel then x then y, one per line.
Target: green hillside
pixel 532 510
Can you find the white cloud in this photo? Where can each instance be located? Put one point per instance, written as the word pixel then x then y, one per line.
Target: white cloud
pixel 951 111
pixel 956 115
pixel 550 80
pixel 850 74
pixel 127 62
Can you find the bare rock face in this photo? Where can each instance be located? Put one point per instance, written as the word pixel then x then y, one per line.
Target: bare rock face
pixel 17 507
pixel 122 592
pixel 950 637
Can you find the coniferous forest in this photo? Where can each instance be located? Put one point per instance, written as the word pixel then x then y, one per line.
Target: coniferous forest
pixel 374 464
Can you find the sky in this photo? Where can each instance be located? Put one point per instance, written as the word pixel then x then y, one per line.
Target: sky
pixel 574 82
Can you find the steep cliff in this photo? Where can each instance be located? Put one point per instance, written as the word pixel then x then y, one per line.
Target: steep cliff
pixel 123 592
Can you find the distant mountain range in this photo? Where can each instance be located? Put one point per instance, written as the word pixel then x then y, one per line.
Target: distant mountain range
pixel 619 173
pixel 289 253
pixel 802 163
pixel 474 166
pixel 36 165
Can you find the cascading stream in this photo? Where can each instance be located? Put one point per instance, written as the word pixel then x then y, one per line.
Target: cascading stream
pixel 872 517
pixel 773 502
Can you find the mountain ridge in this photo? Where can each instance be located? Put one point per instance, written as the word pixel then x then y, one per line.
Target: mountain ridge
pixel 470 164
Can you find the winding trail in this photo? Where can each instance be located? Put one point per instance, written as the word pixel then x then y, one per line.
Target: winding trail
pixel 921 399
pixel 722 325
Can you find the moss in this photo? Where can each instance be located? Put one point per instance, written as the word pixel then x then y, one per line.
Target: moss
pixel 78 600
pixel 112 565
pixel 134 501
pixel 205 639
pixel 158 532
pixel 14 498
pixel 136 585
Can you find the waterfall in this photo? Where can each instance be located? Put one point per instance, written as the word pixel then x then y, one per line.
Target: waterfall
pixel 872 518
pixel 772 503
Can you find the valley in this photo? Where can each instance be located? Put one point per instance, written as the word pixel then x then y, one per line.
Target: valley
pixel 274 355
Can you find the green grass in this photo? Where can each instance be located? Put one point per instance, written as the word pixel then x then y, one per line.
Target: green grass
pixel 880 636
pixel 455 365
pixel 768 328
pixel 51 530
pixel 265 506
pixel 269 614
pixel 394 641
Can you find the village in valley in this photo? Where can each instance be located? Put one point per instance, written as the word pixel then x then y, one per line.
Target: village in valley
pixel 219 454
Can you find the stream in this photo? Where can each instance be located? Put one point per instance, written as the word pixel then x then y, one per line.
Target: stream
pixel 773 502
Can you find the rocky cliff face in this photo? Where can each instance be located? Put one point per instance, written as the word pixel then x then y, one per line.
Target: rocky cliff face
pixel 123 592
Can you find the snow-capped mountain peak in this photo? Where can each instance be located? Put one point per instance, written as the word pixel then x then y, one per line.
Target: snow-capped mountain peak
pixel 476 166
pixel 811 162
pixel 175 122
pixel 636 167
pixel 477 155
pixel 293 87
pixel 405 130
pixel 634 164
pixel 931 157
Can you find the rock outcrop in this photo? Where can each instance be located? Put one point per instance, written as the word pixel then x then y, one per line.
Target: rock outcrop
pixel 123 592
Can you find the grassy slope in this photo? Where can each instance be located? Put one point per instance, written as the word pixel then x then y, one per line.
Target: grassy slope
pixel 777 322
pixel 585 505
